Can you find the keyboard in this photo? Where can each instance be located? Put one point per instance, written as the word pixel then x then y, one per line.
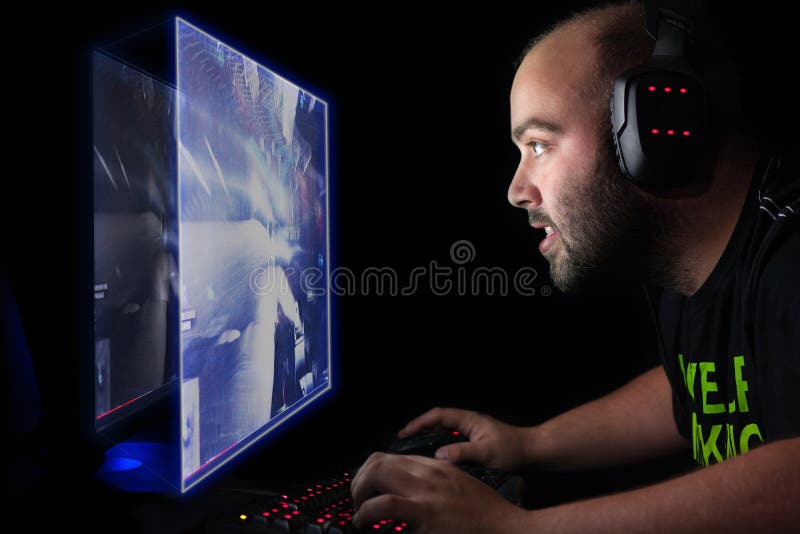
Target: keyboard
pixel 322 507
pixel 315 508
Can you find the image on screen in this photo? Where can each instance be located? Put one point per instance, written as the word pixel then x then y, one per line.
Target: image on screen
pixel 253 225
pixel 134 225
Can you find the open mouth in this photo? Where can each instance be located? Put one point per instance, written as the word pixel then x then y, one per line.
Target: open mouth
pixel 549 240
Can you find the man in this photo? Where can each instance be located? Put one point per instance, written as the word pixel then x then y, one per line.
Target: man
pixel 725 262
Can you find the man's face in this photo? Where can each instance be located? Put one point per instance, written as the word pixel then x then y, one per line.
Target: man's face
pixel 568 179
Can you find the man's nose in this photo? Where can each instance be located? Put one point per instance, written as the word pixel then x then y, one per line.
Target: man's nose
pixel 522 192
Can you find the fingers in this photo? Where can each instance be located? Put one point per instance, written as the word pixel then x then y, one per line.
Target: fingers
pixel 384 486
pixel 459 452
pixel 399 509
pixel 460 420
pixel 386 473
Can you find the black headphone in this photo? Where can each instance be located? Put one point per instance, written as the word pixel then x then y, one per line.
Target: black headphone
pixel 658 109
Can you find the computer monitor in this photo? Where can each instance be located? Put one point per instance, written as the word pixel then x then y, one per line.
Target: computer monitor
pixel 254 250
pixel 134 241
pixel 211 253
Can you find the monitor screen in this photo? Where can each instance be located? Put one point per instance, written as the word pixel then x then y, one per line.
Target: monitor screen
pixel 254 250
pixel 134 220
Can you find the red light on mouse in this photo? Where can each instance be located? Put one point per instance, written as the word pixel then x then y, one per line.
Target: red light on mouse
pixel 668 89
pixel 683 90
pixel 652 88
pixel 686 133
pixel 456 433
pixel 670 132
pixel 654 131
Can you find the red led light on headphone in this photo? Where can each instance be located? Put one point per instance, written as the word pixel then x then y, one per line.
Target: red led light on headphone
pixel 656 131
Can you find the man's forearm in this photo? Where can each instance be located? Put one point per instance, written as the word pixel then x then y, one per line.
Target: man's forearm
pixel 757 491
pixel 630 424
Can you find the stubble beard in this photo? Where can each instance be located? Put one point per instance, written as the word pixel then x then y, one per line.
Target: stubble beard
pixel 607 232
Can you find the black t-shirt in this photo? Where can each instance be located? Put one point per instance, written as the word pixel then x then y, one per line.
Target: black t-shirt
pixel 732 350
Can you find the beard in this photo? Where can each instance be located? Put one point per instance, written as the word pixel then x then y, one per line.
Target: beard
pixel 606 233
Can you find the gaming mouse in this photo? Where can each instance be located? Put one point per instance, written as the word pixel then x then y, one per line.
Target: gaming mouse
pixel 426 443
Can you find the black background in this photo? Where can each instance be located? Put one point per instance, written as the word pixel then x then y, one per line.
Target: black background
pixel 421 158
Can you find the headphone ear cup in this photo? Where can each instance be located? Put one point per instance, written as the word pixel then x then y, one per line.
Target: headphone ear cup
pixel 658 124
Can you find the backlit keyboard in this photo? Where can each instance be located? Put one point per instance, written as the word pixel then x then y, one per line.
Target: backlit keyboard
pixel 324 507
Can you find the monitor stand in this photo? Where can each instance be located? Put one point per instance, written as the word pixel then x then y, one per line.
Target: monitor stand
pixel 144 463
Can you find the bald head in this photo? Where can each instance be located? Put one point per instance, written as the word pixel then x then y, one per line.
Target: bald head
pixel 614 35
pixel 550 84
pixel 591 48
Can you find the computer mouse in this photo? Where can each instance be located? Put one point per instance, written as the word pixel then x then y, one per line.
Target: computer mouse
pixel 426 443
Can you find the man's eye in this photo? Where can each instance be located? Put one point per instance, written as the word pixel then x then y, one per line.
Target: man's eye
pixel 538 147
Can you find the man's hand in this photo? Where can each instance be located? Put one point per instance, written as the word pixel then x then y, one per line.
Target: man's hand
pixel 431 495
pixel 492 443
